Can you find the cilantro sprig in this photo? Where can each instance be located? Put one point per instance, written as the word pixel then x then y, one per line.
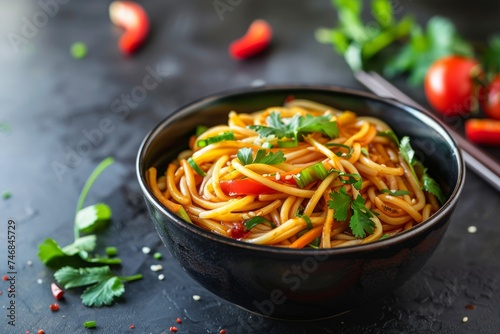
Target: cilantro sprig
pixel 245 155
pixel 360 221
pixel 426 181
pixel 102 284
pixel 296 126
pixel 77 256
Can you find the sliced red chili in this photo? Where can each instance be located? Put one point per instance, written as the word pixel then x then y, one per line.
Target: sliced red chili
pixel 483 131
pixel 257 39
pixel 57 292
pixel 133 18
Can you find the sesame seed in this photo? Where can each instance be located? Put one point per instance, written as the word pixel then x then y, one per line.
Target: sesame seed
pixel 146 250
pixel 161 277
pixel 39 281
pixel 465 319
pixel 472 229
pixel 251 213
pixel 29 263
pixel 196 297
pixel 156 267
pixel 288 177
pixel 278 176
pixel 413 201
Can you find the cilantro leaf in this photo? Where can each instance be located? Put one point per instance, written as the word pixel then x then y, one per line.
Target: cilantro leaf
pixel 321 124
pixel 245 155
pixel 49 250
pixel 427 183
pixel 361 222
pixel 389 134
pixel 103 284
pixel 430 185
pixel 92 217
pixel 340 202
pixel 408 154
pixel 296 126
pixel 70 277
pixel 103 293
pixel 86 243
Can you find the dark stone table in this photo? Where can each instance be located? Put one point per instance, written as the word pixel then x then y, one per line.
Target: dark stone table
pixel 61 116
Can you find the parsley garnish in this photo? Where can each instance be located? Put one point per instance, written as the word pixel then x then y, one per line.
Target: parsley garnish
pixel 78 253
pixel 296 127
pixel 389 134
pixel 245 155
pixel 360 221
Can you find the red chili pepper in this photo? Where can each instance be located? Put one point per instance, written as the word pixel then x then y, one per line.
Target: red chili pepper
pixel 173 329
pixel 483 131
pixel 257 39
pixel 131 326
pixel 133 18
pixel 238 231
pixel 5 277
pixel 54 307
pixel 57 292
pixel 41 331
pixel 178 320
pixel 222 331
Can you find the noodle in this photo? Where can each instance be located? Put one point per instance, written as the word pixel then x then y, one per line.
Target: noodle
pixel 338 183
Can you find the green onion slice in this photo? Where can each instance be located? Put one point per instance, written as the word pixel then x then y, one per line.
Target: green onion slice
pixel 195 167
pixel 215 139
pixel 310 174
pixel 396 192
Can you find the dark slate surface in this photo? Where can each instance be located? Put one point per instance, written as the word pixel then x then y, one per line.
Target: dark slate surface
pixel 51 102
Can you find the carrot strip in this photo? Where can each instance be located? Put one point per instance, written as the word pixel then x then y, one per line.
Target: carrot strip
pixel 309 236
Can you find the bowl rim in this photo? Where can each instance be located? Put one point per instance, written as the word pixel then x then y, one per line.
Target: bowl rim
pixel 190 107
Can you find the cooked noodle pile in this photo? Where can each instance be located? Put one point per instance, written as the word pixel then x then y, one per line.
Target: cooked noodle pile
pixel 301 176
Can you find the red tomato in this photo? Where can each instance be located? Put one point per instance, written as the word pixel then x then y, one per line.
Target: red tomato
pixel 449 84
pixel 492 104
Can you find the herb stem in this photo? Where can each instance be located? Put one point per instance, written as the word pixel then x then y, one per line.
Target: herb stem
pixel 130 278
pixel 90 181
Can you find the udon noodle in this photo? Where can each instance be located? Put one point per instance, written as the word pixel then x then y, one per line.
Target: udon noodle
pixel 328 179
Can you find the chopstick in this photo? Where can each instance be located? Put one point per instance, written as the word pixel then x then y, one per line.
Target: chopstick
pixel 476 159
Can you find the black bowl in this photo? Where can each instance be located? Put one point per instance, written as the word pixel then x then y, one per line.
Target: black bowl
pixel 304 283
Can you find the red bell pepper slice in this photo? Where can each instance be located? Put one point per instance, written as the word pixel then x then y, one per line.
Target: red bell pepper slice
pixel 245 187
pixel 483 131
pixel 133 18
pixel 257 39
pixel 240 187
